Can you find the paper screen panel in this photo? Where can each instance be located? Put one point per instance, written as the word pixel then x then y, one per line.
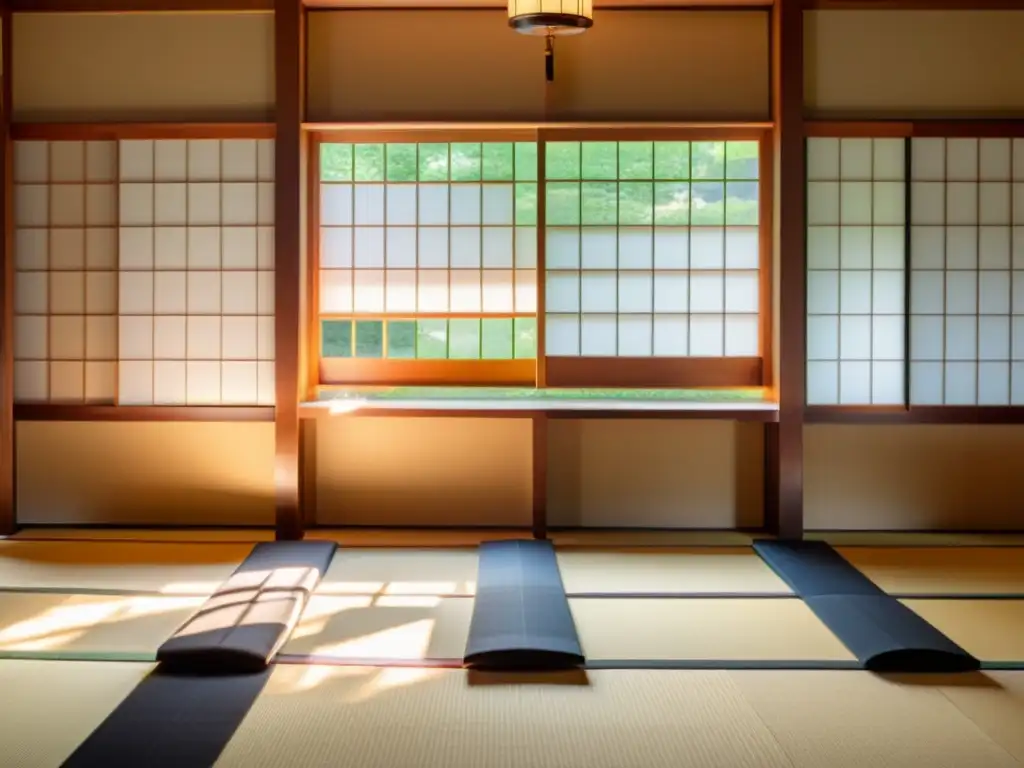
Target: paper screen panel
pixel 65 244
pixel 652 249
pixel 967 272
pixel 196 280
pixel 856 234
pixel 428 251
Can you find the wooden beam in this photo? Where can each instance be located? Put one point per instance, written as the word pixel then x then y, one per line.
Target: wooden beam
pixel 918 414
pixel 499 130
pixel 915 5
pixel 308 468
pixel 208 413
pixel 289 39
pixel 140 6
pixel 970 128
pixel 856 129
pixel 8 518
pixel 539 459
pixel 121 131
pixel 784 503
pixel 651 372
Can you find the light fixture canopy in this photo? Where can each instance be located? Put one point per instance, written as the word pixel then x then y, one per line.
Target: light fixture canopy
pixel 550 18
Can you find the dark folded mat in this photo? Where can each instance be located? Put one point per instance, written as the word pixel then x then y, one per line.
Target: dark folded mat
pixel 521 617
pixel 289 554
pixel 877 628
pixel 886 636
pixel 813 568
pixel 171 721
pixel 247 620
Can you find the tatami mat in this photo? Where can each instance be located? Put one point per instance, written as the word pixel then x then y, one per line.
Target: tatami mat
pixel 991 630
pixel 709 629
pixel 941 570
pixel 453 571
pixel 141 566
pixel 387 627
pixel 668 571
pixel 354 717
pixel 856 720
pixel 320 717
pixel 369 571
pixel 34 622
pixel 993 701
pixel 362 717
pixel 49 707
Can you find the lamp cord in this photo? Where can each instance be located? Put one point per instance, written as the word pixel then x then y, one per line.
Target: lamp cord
pixel 549 57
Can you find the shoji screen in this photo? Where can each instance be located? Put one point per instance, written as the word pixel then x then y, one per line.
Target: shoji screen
pixel 428 251
pixel 196 272
pixel 65 271
pixel 144 272
pixel 967 292
pixel 855 281
pixel 963 200
pixel 652 249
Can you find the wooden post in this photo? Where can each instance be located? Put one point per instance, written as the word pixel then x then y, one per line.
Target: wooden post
pixel 784 507
pixel 540 475
pixel 289 38
pixel 8 518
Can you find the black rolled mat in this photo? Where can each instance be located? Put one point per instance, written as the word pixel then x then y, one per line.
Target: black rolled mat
pixel 213 668
pixel 171 721
pixel 251 615
pixel 521 617
pixel 879 630
pixel 270 555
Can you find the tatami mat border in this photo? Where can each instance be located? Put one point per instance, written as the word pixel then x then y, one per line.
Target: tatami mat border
pixel 795 665
pixel 99 591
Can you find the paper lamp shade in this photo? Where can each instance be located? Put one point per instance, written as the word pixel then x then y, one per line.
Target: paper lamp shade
pixel 550 17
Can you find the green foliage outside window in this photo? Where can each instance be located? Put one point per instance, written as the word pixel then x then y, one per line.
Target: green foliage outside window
pixel 433 339
pixel 592 183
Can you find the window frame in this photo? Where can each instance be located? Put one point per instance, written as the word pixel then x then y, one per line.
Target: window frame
pixel 543 371
pixel 103 410
pixel 907 412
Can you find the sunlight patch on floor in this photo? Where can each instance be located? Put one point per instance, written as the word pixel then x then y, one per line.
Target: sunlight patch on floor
pixel 369 682
pixel 60 625
pixel 405 642
pixel 374 628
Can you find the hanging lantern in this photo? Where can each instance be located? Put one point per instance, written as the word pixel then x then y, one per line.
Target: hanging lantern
pixel 550 19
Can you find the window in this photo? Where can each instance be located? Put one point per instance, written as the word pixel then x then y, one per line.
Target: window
pixel 428 248
pixel 65 246
pixel 196 272
pixel 144 271
pixel 915 254
pixel 653 252
pixel 856 274
pixel 967 290
pixel 428 261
